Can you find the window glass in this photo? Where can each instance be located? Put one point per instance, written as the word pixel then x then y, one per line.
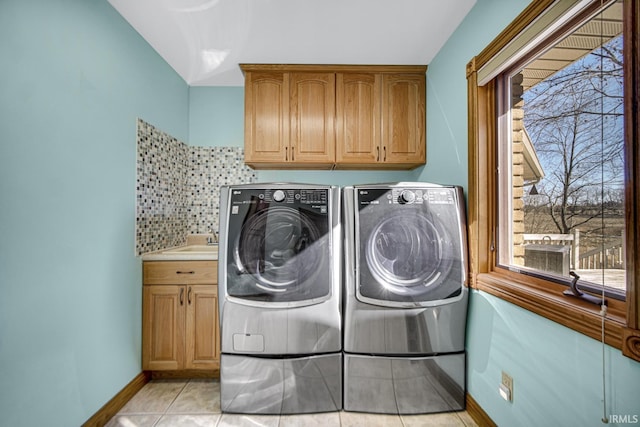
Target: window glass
pixel 561 162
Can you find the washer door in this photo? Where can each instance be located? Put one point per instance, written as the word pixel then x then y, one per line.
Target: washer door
pixel 280 255
pixel 408 255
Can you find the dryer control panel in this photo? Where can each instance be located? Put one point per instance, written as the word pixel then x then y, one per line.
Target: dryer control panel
pixel 405 196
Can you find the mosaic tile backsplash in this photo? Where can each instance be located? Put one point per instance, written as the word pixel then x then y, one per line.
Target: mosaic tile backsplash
pixel 178 187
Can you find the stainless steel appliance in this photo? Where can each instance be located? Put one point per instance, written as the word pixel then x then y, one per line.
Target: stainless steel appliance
pixel 405 298
pixel 280 299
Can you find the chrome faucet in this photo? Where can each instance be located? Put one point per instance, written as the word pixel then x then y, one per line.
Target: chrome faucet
pixel 213 238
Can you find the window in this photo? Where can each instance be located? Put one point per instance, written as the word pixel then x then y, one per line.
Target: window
pixel 561 162
pixel 553 133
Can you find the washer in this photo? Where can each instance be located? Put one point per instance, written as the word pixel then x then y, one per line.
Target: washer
pixel 280 299
pixel 405 298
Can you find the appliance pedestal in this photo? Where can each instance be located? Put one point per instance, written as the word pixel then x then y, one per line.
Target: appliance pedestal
pixel 404 385
pixel 262 385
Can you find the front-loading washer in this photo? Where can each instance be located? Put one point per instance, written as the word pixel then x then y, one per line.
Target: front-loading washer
pixel 279 298
pixel 405 298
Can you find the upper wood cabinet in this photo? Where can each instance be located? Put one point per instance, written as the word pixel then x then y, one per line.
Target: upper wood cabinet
pixel 289 119
pixel 334 116
pixel 403 119
pixel 380 121
pixel 358 122
pixel 266 118
pixel 312 108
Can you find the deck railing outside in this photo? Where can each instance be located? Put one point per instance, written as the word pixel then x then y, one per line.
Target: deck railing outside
pixel 609 256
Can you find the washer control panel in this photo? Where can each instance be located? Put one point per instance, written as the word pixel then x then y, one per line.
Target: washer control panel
pixel 264 198
pixel 281 195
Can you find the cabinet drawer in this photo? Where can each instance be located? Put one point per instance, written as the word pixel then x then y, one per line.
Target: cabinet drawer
pixel 180 272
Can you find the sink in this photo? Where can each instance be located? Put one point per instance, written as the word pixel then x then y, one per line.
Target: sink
pixel 196 248
pixel 184 253
pixel 193 249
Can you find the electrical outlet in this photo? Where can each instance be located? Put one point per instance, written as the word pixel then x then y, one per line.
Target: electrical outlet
pixel 506 387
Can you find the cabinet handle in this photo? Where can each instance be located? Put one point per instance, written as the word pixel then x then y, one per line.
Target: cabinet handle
pixel 293 156
pixel 181 296
pixel 384 150
pixel 189 296
pixel 185 272
pixel 286 154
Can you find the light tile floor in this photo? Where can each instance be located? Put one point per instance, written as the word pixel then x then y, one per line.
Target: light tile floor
pixel 196 403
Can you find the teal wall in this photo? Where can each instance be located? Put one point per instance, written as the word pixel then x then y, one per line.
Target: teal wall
pixel 557 372
pixel 74 76
pixel 216 116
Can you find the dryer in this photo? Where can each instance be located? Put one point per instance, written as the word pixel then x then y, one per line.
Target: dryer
pixel 405 298
pixel 279 299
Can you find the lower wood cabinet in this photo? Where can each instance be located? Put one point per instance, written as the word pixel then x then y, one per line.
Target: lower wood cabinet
pixel 180 328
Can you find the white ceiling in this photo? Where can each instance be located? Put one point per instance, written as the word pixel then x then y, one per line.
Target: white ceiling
pixel 205 40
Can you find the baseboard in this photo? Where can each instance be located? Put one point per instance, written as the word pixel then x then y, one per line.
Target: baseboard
pixel 185 374
pixel 477 413
pixel 104 414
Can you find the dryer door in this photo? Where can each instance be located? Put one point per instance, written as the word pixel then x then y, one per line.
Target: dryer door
pixel 279 252
pixel 409 253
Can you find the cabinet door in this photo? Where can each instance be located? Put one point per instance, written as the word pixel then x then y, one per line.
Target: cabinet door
pixel 358 118
pixel 163 327
pixel 403 119
pixel 312 112
pixel 202 348
pixel 266 117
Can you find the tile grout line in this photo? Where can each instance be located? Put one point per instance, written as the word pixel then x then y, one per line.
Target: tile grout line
pixel 172 402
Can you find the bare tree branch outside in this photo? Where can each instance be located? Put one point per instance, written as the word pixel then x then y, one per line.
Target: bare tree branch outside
pixel 575 121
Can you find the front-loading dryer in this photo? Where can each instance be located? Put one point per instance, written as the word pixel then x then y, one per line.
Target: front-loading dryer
pixel 405 298
pixel 279 299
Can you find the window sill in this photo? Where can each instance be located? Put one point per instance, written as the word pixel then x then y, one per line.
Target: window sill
pixel 546 300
